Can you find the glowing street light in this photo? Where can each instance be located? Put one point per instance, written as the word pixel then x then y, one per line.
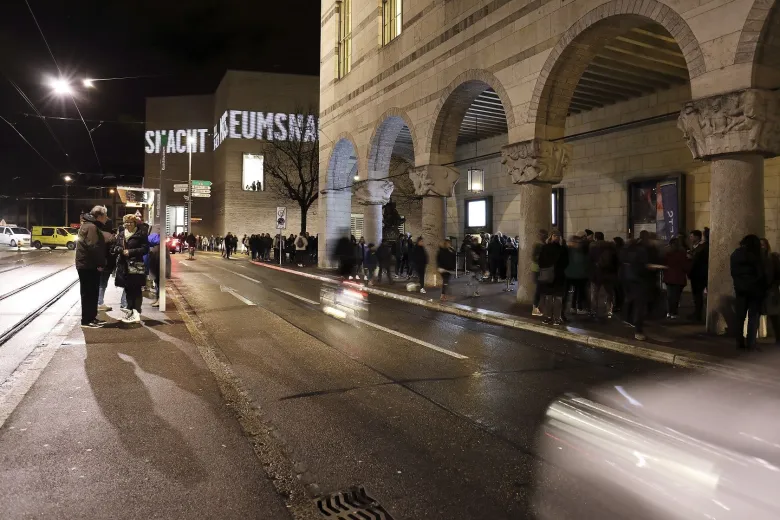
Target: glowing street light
pixel 68 178
pixel 61 87
pixel 88 83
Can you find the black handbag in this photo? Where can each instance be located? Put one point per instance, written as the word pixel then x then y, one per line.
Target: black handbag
pixel 547 274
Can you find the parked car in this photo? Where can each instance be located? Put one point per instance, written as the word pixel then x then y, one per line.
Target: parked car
pixel 53 237
pixel 14 236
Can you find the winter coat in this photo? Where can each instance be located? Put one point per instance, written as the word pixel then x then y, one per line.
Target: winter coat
pixel 494 248
pixel 110 240
pixel 700 264
pixel 130 269
pixel 420 256
pixel 554 255
pixel 384 255
pixel 91 245
pixel 748 274
pixel 445 259
pixel 370 260
pixel 677 267
pixel 772 270
pixel 578 263
pixel 602 261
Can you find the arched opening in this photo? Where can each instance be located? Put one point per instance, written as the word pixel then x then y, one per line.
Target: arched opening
pixel 767 70
pixel 336 198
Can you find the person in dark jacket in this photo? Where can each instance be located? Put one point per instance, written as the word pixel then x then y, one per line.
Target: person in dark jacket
pixel 131 246
pixel 344 254
pixel 750 288
pixel 771 307
pixel 553 261
pixel 384 255
pixel 401 255
pixel 675 276
pixel 699 254
pixel 90 262
pixel 420 262
pixel 577 273
pixel 361 250
pixel 620 294
pixel 445 262
pixel 602 273
pixel 494 257
pixel 370 262
pixel 110 238
pixel 638 276
pixel 191 243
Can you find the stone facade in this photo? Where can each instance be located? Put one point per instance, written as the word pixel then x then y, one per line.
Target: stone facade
pixel 619 126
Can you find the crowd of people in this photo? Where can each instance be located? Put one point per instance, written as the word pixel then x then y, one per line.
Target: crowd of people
pixel 130 253
pixel 295 249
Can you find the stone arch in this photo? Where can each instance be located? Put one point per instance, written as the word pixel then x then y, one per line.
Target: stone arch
pixel 453 105
pixel 759 41
pixel 383 141
pixel 578 46
pixel 342 163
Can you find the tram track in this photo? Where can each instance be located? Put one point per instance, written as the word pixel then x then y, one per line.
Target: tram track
pixel 28 264
pixel 33 283
pixel 9 333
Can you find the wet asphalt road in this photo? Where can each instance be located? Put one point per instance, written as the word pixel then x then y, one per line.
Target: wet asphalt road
pixel 428 434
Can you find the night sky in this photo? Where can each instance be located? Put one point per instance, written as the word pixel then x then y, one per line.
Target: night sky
pixel 183 48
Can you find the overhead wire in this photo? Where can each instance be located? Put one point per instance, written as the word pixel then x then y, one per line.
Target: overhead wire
pixel 73 99
pixel 29 144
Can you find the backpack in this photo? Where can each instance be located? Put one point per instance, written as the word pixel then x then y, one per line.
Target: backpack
pixel 299 242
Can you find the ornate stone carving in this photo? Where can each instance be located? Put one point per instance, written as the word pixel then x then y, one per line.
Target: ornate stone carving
pixel 536 161
pixel 745 121
pixel 434 181
pixel 370 193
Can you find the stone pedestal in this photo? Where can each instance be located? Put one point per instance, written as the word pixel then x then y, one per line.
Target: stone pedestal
pixel 735 131
pixel 372 195
pixel 435 183
pixel 535 166
pixel 736 210
pixel 335 210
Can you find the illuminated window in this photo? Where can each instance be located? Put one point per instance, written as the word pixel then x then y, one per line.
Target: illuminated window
pixel 345 38
pixel 479 215
pixel 392 19
pixel 252 178
pixel 557 209
pixel 356 225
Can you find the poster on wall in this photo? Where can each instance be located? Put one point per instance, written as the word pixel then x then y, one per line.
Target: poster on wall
pixel 252 178
pixel 667 217
pixel 655 207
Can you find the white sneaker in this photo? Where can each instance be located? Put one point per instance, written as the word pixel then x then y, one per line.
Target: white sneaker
pixel 422 291
pixel 156 303
pixel 351 277
pixel 536 312
pixel 133 317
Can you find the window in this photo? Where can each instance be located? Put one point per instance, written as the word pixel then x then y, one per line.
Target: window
pixel 392 19
pixel 479 215
pixel 345 38
pixel 356 225
pixel 61 232
pixel 47 232
pixel 20 231
pixel 557 209
pixel 252 178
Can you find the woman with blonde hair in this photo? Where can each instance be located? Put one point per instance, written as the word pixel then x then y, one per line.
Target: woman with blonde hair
pixel 131 245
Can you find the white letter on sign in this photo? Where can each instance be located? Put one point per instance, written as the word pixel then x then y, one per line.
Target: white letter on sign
pixel 149 143
pixel 234 124
pixel 248 124
pixel 281 133
pixel 265 123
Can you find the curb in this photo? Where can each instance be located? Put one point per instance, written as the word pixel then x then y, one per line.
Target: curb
pixel 670 356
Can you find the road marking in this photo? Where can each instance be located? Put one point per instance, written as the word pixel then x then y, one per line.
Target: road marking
pixel 234 293
pixel 298 297
pixel 410 338
pixel 239 274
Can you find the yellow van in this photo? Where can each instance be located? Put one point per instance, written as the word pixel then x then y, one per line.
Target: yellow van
pixel 53 237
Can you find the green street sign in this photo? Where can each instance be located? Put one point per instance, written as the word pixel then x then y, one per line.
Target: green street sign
pixel 201 183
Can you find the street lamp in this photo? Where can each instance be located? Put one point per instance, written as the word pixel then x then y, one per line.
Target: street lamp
pixel 61 87
pixel 68 179
pixel 88 83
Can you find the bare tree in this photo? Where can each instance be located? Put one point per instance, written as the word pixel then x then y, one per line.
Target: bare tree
pixel 292 168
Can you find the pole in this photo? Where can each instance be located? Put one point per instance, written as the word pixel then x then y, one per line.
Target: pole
pixel 163 235
pixel 189 199
pixel 66 205
pixel 28 214
pixel 281 238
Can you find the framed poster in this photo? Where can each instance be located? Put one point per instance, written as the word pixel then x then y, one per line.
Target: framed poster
pixel 657 205
pixel 479 215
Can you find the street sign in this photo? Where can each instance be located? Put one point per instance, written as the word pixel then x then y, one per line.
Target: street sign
pixel 201 188
pixel 201 183
pixel 180 190
pixel 204 195
pixel 180 186
pixel 281 217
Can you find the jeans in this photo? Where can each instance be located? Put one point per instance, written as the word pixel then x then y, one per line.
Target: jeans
pixel 445 281
pixel 697 287
pixel 123 303
pixel 595 290
pixel 538 291
pixel 579 298
pixel 636 305
pixel 673 292
pixel 422 276
pixel 134 297
pixel 89 286
pixel 494 267
pixel 750 307
pixel 385 269
pixel 553 307
pixel 104 277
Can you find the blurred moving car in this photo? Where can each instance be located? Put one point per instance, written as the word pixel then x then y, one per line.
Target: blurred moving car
pixel 346 302
pixel 14 236
pixel 698 446
pixel 173 245
pixel 53 237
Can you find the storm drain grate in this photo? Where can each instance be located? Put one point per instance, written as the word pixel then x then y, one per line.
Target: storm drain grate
pixel 353 504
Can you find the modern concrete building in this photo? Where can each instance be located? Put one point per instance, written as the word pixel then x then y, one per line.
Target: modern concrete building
pixel 231 132
pixel 616 116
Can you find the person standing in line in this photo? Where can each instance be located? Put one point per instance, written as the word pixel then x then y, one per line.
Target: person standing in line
pixel 700 258
pixel 445 262
pixel 602 273
pixel 750 287
pixel 577 273
pixel 771 307
pixel 385 259
pixel 90 262
pixel 620 296
pixel 639 274
pixel 110 238
pixel 675 276
pixel 553 261
pixel 536 250
pixel 132 244
pixel 370 261
pixel 360 249
pixel 494 257
pixel 300 250
pixel 421 262
pixel 401 256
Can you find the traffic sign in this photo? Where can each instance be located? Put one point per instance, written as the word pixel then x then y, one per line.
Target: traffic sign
pixel 181 186
pixel 281 217
pixel 203 195
pixel 201 183
pixel 176 189
pixel 201 188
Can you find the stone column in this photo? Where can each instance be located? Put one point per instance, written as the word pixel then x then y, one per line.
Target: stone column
pixel 372 195
pixel 434 183
pixel 734 131
pixel 535 166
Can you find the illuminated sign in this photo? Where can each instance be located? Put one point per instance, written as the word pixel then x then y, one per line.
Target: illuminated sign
pixel 236 124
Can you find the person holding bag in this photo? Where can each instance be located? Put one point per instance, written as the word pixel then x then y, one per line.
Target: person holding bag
pixel 131 245
pixel 553 260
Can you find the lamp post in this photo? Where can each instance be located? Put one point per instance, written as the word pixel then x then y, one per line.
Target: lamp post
pixel 68 179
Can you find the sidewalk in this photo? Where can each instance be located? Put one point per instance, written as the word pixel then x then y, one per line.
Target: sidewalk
pixel 679 342
pixel 128 422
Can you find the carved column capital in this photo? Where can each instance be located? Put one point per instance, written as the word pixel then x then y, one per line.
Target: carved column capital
pixel 434 180
pixel 745 121
pixel 373 193
pixel 536 161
